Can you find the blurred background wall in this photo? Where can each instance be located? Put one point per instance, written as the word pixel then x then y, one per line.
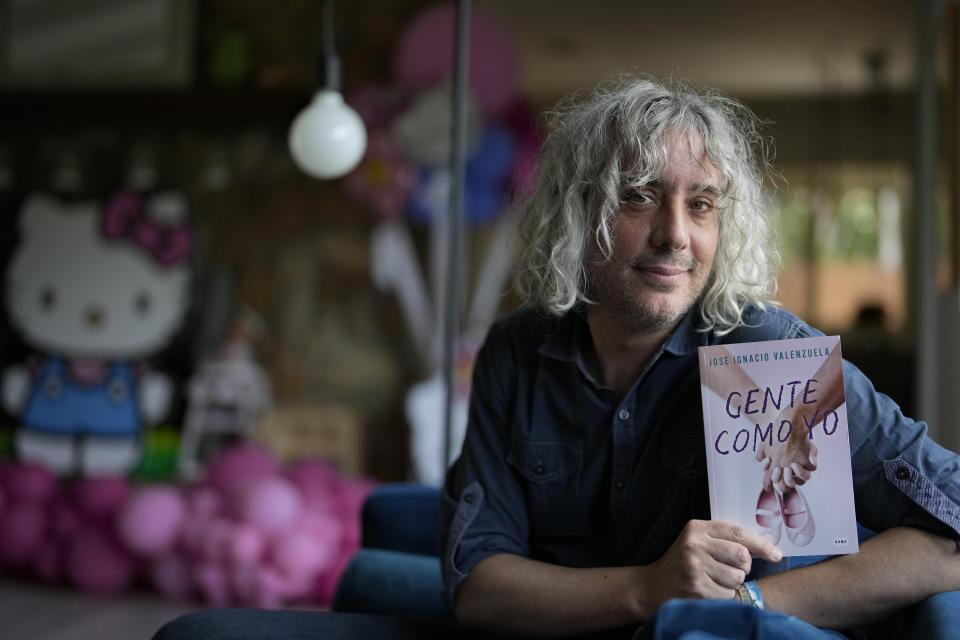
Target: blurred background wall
pixel 200 95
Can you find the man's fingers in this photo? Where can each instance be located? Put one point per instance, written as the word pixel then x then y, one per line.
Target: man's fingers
pixel 726 576
pixel 711 558
pixel 729 563
pixel 754 544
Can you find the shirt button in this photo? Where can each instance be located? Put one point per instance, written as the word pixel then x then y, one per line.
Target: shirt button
pixel 539 469
pixel 624 414
pixel 620 484
pixel 902 473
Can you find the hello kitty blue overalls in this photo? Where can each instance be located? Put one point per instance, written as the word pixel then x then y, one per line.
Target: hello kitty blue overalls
pixel 60 405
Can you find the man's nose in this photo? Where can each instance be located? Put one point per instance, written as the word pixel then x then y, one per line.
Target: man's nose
pixel 670 226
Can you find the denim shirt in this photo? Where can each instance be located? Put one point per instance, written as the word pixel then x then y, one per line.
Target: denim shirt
pixel 558 468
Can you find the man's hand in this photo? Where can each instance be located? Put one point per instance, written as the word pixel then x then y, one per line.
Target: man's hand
pixel 709 559
pixel 789 464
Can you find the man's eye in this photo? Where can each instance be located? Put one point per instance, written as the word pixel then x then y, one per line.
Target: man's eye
pixel 636 197
pixel 702 205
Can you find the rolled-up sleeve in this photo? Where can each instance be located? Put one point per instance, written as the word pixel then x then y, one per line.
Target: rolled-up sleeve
pixel 482 511
pixel 901 476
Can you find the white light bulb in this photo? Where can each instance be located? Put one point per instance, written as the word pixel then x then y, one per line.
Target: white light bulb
pixel 327 139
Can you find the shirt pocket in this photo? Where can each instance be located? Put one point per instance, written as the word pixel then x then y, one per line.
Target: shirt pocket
pixel 683 455
pixel 552 471
pixel 683 489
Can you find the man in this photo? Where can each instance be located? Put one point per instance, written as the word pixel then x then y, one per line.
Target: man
pixel 579 503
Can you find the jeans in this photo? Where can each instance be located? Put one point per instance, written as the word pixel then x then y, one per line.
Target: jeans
pixel 726 620
pixel 676 620
pixel 257 624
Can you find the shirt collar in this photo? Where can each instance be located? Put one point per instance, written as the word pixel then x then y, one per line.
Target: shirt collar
pixel 685 338
pixel 564 342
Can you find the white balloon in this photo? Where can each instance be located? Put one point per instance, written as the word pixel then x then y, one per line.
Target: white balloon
pixel 423 131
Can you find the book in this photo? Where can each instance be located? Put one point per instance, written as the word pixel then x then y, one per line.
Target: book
pixel 782 398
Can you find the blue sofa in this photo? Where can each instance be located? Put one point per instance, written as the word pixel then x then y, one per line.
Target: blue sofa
pixel 397 571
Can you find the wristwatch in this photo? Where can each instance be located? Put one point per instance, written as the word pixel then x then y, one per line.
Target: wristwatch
pixel 748 593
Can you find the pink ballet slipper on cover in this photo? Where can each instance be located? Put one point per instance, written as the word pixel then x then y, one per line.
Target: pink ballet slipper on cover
pixel 768 516
pixel 797 518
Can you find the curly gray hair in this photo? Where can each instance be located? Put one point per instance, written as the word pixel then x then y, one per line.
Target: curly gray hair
pixel 615 138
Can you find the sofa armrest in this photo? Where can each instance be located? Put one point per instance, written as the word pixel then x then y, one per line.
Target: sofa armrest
pixel 393 583
pixel 402 516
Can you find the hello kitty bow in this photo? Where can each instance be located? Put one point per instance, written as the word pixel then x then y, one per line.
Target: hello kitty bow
pixel 124 217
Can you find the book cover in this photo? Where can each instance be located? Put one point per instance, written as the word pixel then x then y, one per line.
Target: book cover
pixel 781 401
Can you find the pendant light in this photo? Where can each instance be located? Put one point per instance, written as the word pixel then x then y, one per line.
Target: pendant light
pixel 327 139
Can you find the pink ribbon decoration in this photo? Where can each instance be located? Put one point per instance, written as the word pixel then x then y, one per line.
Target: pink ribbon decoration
pixel 124 218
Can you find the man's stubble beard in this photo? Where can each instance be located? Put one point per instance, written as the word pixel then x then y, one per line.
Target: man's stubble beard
pixel 609 285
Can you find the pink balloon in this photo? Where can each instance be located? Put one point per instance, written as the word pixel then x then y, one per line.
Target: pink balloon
pixel 318 482
pixel 260 586
pixel 194 534
pixel 326 528
pixel 241 464
pixel 271 505
pixel 246 544
pixel 149 523
pixel 298 554
pixel 215 539
pixel 244 579
pixel 326 584
pixel 525 165
pixel 425 56
pixel 352 534
pixel 170 574
pixel 383 179
pixel 213 582
pixel 204 501
pixel 352 494
pixel 65 520
pixel 48 561
pixel 29 482
pixel 96 562
pixel 100 497
pixel 274 589
pixel 21 533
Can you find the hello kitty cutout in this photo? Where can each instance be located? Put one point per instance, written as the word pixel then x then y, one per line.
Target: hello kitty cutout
pixel 95 290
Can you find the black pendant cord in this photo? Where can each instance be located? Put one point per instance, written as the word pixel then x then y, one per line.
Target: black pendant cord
pixel 328 62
